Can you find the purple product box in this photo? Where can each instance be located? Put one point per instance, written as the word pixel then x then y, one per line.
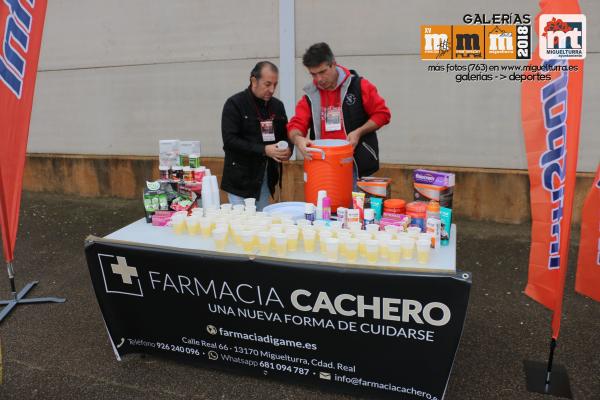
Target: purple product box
pixel 435 178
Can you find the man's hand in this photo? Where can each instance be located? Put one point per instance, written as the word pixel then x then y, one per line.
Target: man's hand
pixel 301 144
pixel 288 154
pixel 353 137
pixel 276 154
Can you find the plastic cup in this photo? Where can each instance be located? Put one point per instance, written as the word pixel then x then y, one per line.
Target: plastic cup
pixel 192 225
pixel 414 231
pixel 423 250
pixel 319 223
pixel 250 210
pixel 372 250
pixel 394 251
pixel 391 229
pixel 292 239
pixel 351 249
pixel 426 236
pixel 198 211
pixel 408 246
pixel 285 217
pixel 220 238
pixel 402 235
pixel 287 222
pixel 309 237
pixel 302 222
pixel 264 242
pixel 355 226
pixel 178 223
pixel 247 238
pixel 205 226
pixel 276 228
pixel 323 236
pixel 344 235
pixel 332 247
pixel 383 245
pixel 280 243
pixel 250 202
pixel 372 228
pixel 335 224
pixel 237 233
pixel 362 243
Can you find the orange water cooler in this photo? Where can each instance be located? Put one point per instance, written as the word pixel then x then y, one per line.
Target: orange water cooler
pixel 330 169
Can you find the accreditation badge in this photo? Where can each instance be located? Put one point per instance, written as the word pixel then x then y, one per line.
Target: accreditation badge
pixel 333 119
pixel 267 130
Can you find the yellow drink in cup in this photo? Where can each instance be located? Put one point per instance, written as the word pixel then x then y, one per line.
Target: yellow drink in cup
pixel 247 238
pixel 292 239
pixel 351 249
pixel 309 240
pixel 344 235
pixel 372 228
pixel 192 225
pixel 372 251
pixel 280 244
pixel 205 226
pixel 220 238
pixel 392 230
pixel 383 239
pixel 323 236
pixel 264 242
pixel 332 247
pixel 414 231
pixel 394 251
pixel 362 243
pixel 408 246
pixel 178 223
pixel 423 250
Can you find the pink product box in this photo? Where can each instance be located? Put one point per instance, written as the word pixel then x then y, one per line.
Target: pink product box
pixel 160 221
pixel 401 220
pixel 161 218
pixel 164 213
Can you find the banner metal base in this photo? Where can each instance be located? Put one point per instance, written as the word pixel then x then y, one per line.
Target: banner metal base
pixel 19 299
pixel 535 377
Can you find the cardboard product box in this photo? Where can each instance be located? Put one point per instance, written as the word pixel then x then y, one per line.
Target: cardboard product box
pixel 433 185
pixel 374 186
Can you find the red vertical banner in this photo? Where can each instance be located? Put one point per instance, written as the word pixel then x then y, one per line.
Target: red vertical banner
pixel 21 26
pixel 587 281
pixel 550 112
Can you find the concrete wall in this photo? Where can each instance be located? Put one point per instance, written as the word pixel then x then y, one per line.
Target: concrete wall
pixel 115 77
pixel 497 195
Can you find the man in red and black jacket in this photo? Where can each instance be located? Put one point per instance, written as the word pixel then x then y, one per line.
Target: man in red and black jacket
pixel 339 104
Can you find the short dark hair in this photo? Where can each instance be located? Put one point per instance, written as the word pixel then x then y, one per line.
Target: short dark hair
pixel 257 70
pixel 317 54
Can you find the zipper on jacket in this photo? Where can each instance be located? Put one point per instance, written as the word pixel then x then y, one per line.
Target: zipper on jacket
pixel 370 150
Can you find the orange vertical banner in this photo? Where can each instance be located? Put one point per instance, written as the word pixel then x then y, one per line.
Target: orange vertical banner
pixel 587 281
pixel 21 26
pixel 550 112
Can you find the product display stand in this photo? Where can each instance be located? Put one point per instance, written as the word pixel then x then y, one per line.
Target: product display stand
pixel 543 378
pixel 18 298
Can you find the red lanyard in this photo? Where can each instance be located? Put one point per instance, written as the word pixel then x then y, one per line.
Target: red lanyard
pixel 260 118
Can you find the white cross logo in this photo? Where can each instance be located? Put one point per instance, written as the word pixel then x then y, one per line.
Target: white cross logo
pixel 124 270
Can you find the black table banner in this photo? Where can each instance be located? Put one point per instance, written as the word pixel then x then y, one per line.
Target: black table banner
pixel 374 332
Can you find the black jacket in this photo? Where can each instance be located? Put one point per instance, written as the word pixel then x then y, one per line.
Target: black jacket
pixel 245 159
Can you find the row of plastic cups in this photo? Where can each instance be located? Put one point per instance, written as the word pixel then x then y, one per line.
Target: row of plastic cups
pixel 350 248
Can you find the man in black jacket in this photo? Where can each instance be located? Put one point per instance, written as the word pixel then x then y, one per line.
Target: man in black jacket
pixel 252 125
